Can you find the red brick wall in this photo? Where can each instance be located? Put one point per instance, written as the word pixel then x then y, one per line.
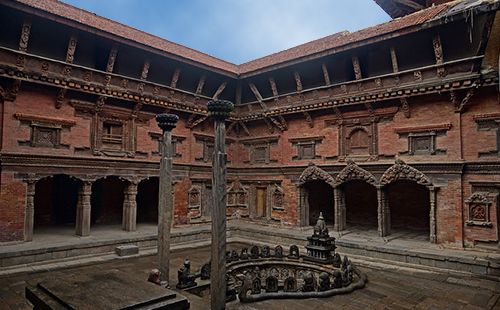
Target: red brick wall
pixel 12 204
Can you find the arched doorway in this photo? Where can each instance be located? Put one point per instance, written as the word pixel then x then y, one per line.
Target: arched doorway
pixel 409 205
pixel 55 202
pixel 361 204
pixel 147 201
pixel 320 199
pixel 107 201
pixel 316 195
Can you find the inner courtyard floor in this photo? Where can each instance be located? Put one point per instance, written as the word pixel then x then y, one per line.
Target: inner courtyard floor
pixel 386 289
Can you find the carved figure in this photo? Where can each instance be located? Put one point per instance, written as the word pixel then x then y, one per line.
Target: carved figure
pixel 294 252
pixel 244 253
pixel 271 284
pixel 337 280
pixel 309 285
pixel 254 252
pixel 278 251
pixel 266 252
pixel 290 284
pixel 184 278
pixel 234 256
pixel 324 281
pixel 205 271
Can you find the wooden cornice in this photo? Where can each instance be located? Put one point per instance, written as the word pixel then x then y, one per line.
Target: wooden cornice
pixel 434 127
pixel 44 119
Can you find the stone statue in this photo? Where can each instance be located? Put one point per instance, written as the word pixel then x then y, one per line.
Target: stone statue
pixel 309 285
pixel 256 283
pixel 230 289
pixel 337 280
pixel 205 271
pixel 234 256
pixel 184 278
pixel 324 281
pixel 154 276
pixel 266 251
pixel 337 260
pixel 294 252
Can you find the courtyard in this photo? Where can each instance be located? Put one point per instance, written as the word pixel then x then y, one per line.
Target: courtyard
pixel 400 288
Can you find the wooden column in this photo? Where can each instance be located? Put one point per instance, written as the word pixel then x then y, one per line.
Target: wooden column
pixel 29 210
pixel 219 110
pixel 129 218
pixel 383 213
pixel 83 209
pixel 432 215
pixel 166 122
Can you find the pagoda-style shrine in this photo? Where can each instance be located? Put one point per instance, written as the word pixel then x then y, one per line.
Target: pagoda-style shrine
pixel 320 246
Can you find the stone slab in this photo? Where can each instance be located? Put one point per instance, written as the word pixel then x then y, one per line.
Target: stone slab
pixel 127 250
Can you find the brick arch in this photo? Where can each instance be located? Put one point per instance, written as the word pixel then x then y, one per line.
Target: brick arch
pixel 314 173
pixel 353 172
pixel 402 171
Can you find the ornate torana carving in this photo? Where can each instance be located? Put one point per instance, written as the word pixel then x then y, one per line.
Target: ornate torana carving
pixel 478 209
pixel 313 173
pixel 354 172
pixel 402 171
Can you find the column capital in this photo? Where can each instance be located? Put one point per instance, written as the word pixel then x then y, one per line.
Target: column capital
pixel 167 121
pixel 220 109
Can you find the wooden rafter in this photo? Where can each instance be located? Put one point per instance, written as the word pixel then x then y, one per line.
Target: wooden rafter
pixel 274 88
pixel 61 96
pixel 201 84
pixel 145 70
pixel 175 78
pixel 25 35
pixel 111 59
pixel 394 60
pixel 356 67
pixel 219 90
pixel 326 76
pixel 245 128
pixel 70 52
pixel 298 81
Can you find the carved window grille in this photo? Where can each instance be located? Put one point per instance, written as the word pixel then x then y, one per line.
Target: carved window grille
pixel 237 200
pixel 45 136
pixel 422 140
pixel 175 141
pixel 478 209
pixel 277 198
pixel 260 153
pixel 490 123
pixel 112 132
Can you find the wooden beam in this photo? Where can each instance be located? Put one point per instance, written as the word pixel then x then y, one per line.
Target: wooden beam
pixel 394 60
pixel 201 83
pixel 111 59
pixel 269 125
pixel 283 122
pixel 219 90
pixel 231 127
pixel 25 35
pixel 298 81
pixel 175 78
pixel 356 67
pixel 238 93
pixel 256 92
pixel 326 76
pixel 190 120
pixel 410 4
pixel 245 128
pixel 199 121
pixel 145 70
pixel 272 82
pixel 70 52
pixel 460 105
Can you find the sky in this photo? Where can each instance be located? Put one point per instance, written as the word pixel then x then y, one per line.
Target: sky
pixel 239 30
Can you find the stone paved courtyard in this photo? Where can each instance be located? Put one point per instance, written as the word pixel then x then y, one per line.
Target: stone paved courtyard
pixel 403 289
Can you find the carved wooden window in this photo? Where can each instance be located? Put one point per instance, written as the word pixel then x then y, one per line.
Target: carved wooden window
pixel 260 154
pixel 112 132
pixel 306 147
pixel 42 136
pixel 237 200
pixel 208 151
pixel 478 209
pixel 175 141
pixel 260 149
pixel 422 140
pixel 358 142
pixel 194 202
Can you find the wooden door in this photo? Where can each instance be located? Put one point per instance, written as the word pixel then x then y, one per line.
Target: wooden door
pixel 260 204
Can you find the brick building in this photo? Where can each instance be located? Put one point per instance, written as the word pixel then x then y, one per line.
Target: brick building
pixel 393 127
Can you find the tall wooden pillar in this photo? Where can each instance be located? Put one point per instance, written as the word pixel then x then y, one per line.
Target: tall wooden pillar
pixel 166 122
pixel 219 110
pixel 29 210
pixel 383 213
pixel 432 215
pixel 83 209
pixel 129 218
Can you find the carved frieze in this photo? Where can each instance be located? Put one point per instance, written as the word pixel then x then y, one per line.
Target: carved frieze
pixel 313 173
pixel 354 172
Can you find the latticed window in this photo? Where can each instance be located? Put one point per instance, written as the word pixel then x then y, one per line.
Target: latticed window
pixel 359 142
pixel 112 133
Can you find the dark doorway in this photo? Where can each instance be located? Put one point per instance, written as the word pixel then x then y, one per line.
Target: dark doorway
pixel 320 199
pixel 107 201
pixel 147 201
pixel 361 204
pixel 55 201
pixel 409 204
pixel 261 202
